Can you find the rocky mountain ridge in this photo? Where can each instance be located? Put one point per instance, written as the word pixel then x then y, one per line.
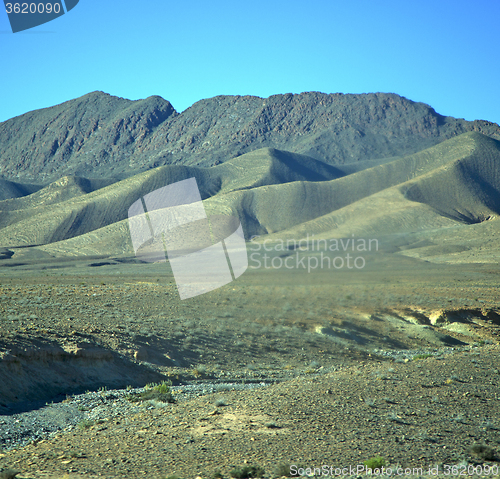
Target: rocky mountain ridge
pixel 102 136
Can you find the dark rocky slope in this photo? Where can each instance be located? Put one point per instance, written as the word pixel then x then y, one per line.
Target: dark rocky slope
pixel 98 135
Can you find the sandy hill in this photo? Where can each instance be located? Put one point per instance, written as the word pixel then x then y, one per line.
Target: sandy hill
pixel 12 189
pixel 454 184
pixel 73 206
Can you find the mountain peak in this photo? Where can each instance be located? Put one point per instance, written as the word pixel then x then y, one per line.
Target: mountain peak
pixel 100 135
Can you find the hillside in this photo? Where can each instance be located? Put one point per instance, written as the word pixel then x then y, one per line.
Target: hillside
pixel 93 132
pixel 403 337
pixel 281 195
pixel 101 136
pixel 455 182
pixel 12 189
pixel 72 206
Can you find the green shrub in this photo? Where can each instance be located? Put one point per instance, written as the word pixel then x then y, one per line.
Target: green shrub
pixel 154 391
pixel 375 462
pixel 85 424
pixel 422 356
pixel 246 472
pixel 162 388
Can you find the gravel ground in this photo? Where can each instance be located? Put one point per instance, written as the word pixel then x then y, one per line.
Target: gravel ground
pixel 439 353
pixel 433 410
pixel 18 430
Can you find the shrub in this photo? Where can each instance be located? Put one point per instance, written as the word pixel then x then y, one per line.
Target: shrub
pixel 247 472
pixel 162 388
pixel 158 392
pixel 85 424
pixel 422 356
pixel 482 451
pixel 375 462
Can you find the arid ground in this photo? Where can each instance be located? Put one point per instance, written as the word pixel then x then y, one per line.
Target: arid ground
pixel 322 337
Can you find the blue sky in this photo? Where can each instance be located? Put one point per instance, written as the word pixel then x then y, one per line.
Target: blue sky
pixel 441 52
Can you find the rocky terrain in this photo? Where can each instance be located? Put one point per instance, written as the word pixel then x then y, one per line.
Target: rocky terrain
pixel 304 360
pixel 99 135
pixel 407 352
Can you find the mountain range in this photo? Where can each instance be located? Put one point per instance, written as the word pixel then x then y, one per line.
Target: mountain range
pixel 101 136
pixel 289 166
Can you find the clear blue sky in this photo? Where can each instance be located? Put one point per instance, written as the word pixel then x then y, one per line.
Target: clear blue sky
pixel 441 52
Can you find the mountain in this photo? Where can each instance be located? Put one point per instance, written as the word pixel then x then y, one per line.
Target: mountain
pixel 91 134
pixel 101 136
pixel 429 204
pixel 289 167
pixel 73 206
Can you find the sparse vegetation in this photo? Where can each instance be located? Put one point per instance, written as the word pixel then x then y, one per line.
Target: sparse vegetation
pixel 246 472
pixel 85 424
pixel 375 462
pixel 482 451
pixel 162 388
pixel 154 391
pixel 422 356
pixel 244 322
